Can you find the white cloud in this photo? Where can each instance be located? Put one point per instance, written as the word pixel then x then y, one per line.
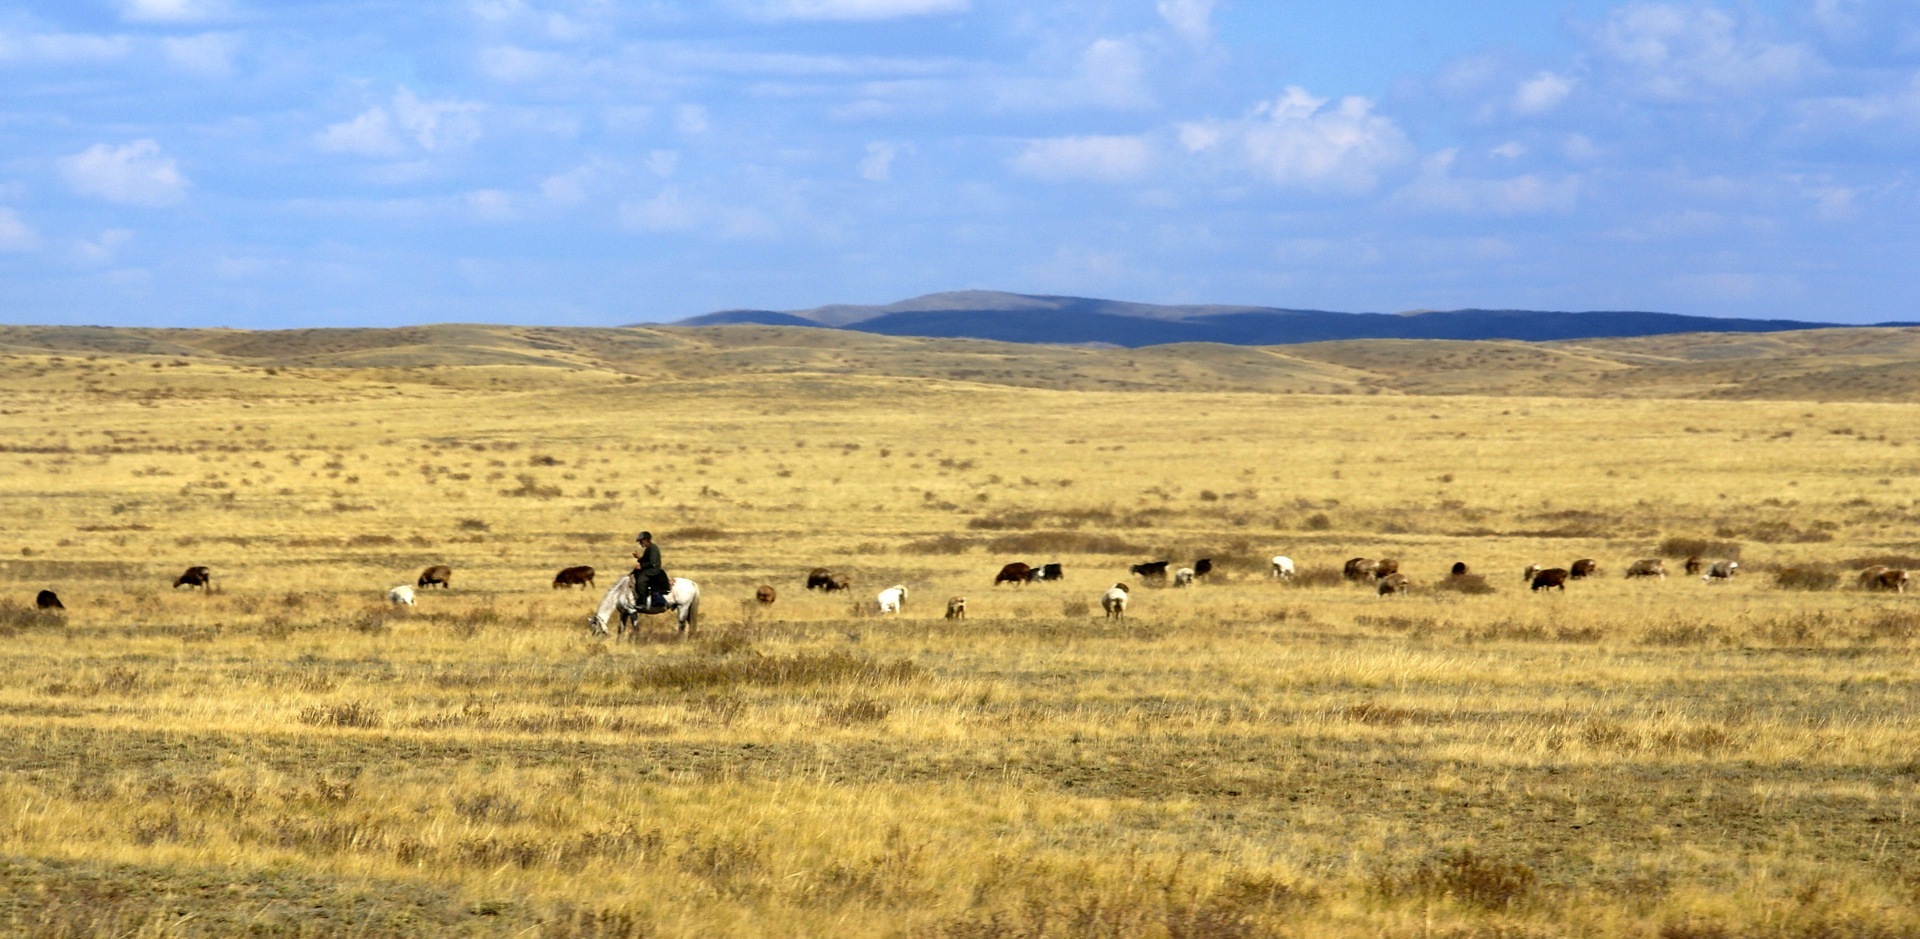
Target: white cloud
pixel 663 163
pixel 1436 188
pixel 572 186
pixel 1192 19
pixel 1302 142
pixel 1541 93
pixel 691 120
pixel 667 212
pixel 104 249
pixel 169 11
pixel 877 165
pixel 1097 159
pixel 15 234
pixel 1679 53
pixel 494 205
pixel 411 122
pixel 207 54
pixel 62 47
pixel 135 174
pixel 370 133
pixel 1109 73
pixel 851 9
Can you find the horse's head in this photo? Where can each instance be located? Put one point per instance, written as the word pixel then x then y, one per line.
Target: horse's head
pixel 596 624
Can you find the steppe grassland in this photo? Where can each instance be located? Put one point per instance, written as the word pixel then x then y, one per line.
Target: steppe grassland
pixel 288 754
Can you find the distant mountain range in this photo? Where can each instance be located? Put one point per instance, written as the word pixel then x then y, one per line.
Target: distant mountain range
pixel 1013 317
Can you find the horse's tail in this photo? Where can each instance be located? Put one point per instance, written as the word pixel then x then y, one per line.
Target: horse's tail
pixel 693 610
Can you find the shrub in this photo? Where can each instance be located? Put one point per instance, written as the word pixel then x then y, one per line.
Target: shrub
pixel 1703 547
pixel 1465 583
pixel 1805 578
pixel 351 714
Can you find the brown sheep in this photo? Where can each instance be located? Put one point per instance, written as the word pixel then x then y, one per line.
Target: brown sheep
pixel 1386 568
pixel 1203 567
pixel 1893 579
pixel 956 608
pixel 819 578
pixel 1648 567
pixel 581 576
pixel 1459 569
pixel 1014 573
pixel 1584 568
pixel 48 600
pixel 1359 568
pixel 437 574
pixel 1695 565
pixel 765 594
pixel 1871 576
pixel 1394 583
pixel 838 582
pixel 1551 577
pixel 197 576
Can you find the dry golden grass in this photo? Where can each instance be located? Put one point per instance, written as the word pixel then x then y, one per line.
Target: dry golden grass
pixel 289 755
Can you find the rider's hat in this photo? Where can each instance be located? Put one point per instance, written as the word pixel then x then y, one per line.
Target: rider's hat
pixel 644 536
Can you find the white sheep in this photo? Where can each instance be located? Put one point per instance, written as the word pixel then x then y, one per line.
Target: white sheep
pixel 1282 567
pixel 893 598
pixel 400 596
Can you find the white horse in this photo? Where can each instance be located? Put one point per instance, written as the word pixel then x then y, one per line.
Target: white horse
pixel 683 599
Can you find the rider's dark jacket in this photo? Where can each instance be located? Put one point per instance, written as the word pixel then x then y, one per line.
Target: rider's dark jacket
pixel 649 572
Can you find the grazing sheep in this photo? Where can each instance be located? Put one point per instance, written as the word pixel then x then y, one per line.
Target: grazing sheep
pixel 400 596
pixel 1183 577
pixel 1648 567
pixel 196 576
pixel 820 579
pixel 765 594
pixel 1359 568
pixel 956 608
pixel 1552 577
pixel 1394 583
pixel 1114 601
pixel 1203 567
pixel 1014 573
pixel 1387 567
pixel 1459 569
pixel 1151 570
pixel 1051 571
pixel 437 574
pixel 838 582
pixel 1695 565
pixel 893 598
pixel 1584 568
pixel 48 600
pixel 581 576
pixel 1893 579
pixel 1282 567
pixel 1720 570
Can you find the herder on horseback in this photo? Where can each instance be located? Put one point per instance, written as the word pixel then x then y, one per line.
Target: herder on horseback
pixel 649 578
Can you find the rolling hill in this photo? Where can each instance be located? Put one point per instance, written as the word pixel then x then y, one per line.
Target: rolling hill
pixel 1011 317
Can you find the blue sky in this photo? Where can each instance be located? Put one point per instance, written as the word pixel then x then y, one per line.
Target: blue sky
pixel 350 162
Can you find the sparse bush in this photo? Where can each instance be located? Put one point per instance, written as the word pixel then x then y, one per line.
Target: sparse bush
pixel 1473 584
pixel 351 714
pixel 1076 609
pixel 1702 547
pixel 939 544
pixel 472 524
pixel 802 669
pixel 1805 578
pixel 1476 879
pixel 1318 521
pixel 1064 542
pixel 698 533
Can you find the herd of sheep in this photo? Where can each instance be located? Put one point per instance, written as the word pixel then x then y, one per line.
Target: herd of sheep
pixel 1384 573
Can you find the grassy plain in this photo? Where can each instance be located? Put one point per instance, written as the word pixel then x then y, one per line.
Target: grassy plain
pixel 288 755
